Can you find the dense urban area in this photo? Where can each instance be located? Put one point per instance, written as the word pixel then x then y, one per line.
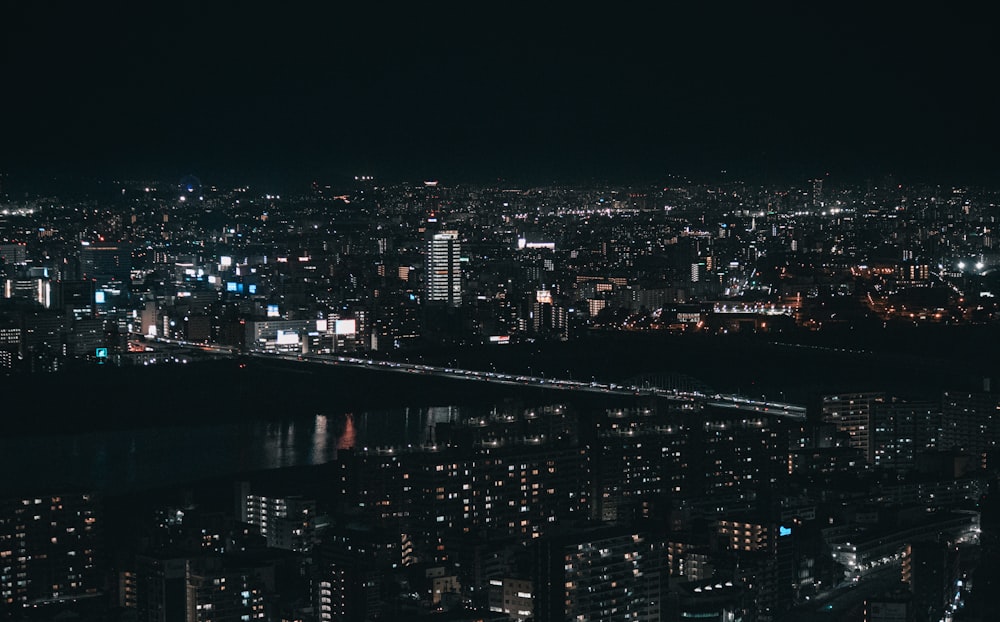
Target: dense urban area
pixel 606 472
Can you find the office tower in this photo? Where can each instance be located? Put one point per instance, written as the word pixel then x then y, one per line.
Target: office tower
pixel 49 549
pixel 443 283
pixel 852 414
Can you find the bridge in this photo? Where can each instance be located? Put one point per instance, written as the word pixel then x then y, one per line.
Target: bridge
pixel 640 386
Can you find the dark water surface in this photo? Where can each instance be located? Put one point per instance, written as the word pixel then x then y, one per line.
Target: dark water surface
pixel 118 461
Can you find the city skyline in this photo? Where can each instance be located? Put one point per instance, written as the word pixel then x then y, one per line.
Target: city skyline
pixel 498 313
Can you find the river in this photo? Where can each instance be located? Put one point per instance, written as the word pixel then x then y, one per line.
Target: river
pixel 130 460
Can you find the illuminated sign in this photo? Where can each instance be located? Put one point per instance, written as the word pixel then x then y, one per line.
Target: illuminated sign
pixel 101 353
pixel 345 327
pixel 500 339
pixel 99 297
pixel 272 311
pixel 784 531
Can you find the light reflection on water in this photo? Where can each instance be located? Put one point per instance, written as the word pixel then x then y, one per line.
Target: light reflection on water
pixel 117 461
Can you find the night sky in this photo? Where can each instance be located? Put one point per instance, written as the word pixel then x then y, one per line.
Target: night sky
pixel 497 90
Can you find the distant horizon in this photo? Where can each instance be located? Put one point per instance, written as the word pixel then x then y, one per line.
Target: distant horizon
pixel 40 181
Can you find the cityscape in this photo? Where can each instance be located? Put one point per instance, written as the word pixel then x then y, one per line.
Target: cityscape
pixel 536 481
pixel 377 312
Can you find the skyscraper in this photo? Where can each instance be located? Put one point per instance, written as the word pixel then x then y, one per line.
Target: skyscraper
pixel 443 283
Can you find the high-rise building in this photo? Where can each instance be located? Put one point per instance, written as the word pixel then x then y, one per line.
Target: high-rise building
pixel 286 521
pixel 969 421
pixel 817 192
pixel 852 414
pixel 443 283
pixel 160 588
pixel 48 549
pixel 352 564
pixel 931 570
pixel 219 594
pixel 599 575
pixel 900 430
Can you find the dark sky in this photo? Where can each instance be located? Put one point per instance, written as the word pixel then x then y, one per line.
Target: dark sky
pixel 497 90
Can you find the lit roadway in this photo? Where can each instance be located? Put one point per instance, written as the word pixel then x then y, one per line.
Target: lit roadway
pixel 718 400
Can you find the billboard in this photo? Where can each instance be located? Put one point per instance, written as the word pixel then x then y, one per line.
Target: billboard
pixel 345 327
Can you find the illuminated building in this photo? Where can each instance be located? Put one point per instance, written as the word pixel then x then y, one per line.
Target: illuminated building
pixel 901 430
pixel 547 316
pixel 286 521
pixel 443 270
pixel 352 563
pixel 607 574
pixel 736 462
pixel 969 421
pixel 519 491
pixel 10 346
pixel 512 597
pixel 35 289
pixel 216 594
pixel 707 600
pixel 277 335
pixel 635 470
pixel 852 414
pixel 49 547
pixel 766 552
